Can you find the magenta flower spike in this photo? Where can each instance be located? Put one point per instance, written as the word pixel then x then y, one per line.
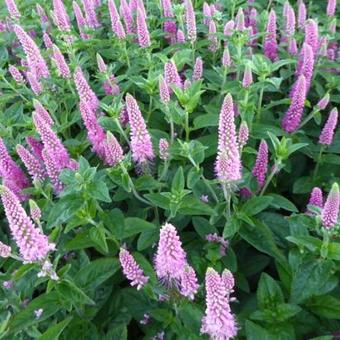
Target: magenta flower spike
pixel 95 132
pixel 34 83
pixel 226 60
pixel 167 8
pixel 190 21
pixel 170 259
pixel 60 63
pixel 35 146
pixel 169 26
pixel 131 269
pixel 239 21
pixel 171 75
pixel 229 28
pixel 180 37
pixel 206 14
pixel 218 322
pixel 253 25
pixel 5 250
pixel 113 150
pixel 127 16
pixel 51 142
pixel 36 63
pixel 228 162
pixel 61 17
pixel 323 102
pixel 247 77
pixel 290 22
pixel 330 211
pixel 292 47
pixel 133 4
pixel 198 69
pixel 243 134
pixel 316 198
pixel 35 211
pixel 331 7
pixel 270 43
pixel 81 21
pixel 261 165
pixel 90 14
pixel 116 24
pixel 228 281
pixel 142 30
pixel 34 166
pixel 47 40
pixel 163 149
pixel 141 145
pixel 164 91
pixel 42 14
pixel 12 174
pixel 53 170
pixel 102 67
pixel 305 65
pixel 327 133
pixel 140 5
pixel 292 118
pixel 302 15
pixel 16 75
pixel 213 47
pixel 42 112
pixel 84 91
pixel 13 9
pixel 33 245
pixel 312 35
pixel 189 284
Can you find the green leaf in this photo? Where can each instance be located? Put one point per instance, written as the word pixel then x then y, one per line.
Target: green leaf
pixel 97 235
pixel 50 303
pixel 70 293
pixel 203 227
pixel 281 202
pixel 193 206
pixel 159 200
pixel 205 120
pixel 53 332
pixel 135 225
pixel 96 272
pixel 268 293
pixel 99 191
pixel 178 181
pixel 311 243
pixel 147 238
pixel 325 306
pixel 256 204
pixel 333 251
pixel 256 332
pixel 81 241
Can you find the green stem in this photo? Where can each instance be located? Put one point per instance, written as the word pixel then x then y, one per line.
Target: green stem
pixel 308 118
pixel 270 177
pixel 150 109
pixel 227 196
pixel 259 105
pixel 225 71
pixel 122 131
pixel 318 162
pixel 165 170
pixel 212 191
pixel 126 54
pixel 14 89
pixel 187 128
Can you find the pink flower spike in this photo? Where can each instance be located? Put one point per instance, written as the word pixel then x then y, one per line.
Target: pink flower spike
pixel 61 17
pixel 84 91
pixel 228 280
pixel 323 102
pixel 270 43
pixel 141 145
pixel 131 269
pixel 206 14
pixel 243 134
pixel 218 322
pixel 171 75
pixel 81 22
pixel 226 60
pixel 42 112
pixel 189 284
pixel 90 14
pixel 198 69
pixel 47 40
pixel 35 211
pixel 240 25
pixel 180 37
pixel 247 77
pixel 261 165
pixel 53 170
pixel 12 9
pixel 292 47
pixel 102 67
pixel 302 15
pixel 127 16
pixel 5 250
pixel 60 62
pixel 34 83
pixel 290 21
pixel 190 21
pixel 292 118
pixel 316 198
pixel 229 28
pixel 16 75
pixel 35 146
pixel 34 166
pixel 331 7
pixel 117 27
pixel 164 91
pixel 33 245
pixel 42 14
pixel 163 149
pixel 228 162
pixel 305 65
pixel 327 133
pixel 312 35
pixel 113 150
pixel 330 211
pixel 213 47
pixel 142 30
pixel 170 259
